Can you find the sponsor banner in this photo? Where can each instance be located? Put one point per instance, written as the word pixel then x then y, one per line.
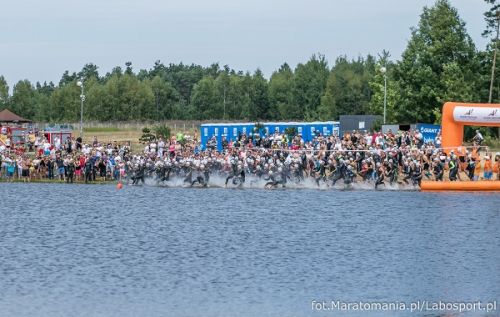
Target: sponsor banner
pixel 429 131
pixel 476 114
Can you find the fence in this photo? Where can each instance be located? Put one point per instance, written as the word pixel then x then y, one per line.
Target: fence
pixel 175 125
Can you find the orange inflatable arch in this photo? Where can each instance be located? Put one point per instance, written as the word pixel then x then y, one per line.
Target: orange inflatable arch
pixel 456 115
pixel 484 186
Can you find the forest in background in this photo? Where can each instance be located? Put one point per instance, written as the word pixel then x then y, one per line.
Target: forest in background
pixel 440 63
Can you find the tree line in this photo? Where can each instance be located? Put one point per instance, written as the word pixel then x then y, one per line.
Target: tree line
pixel 439 64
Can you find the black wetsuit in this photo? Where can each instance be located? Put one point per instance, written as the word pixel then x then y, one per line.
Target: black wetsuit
pixel 273 181
pixel 407 173
pixel 349 176
pixel 471 168
pixel 417 175
pixel 88 171
pixel 453 165
pixel 234 171
pixel 139 176
pixel 340 172
pixel 380 177
pixel 439 171
pixel 70 172
pixel 189 176
pixel 392 173
pixel 320 170
pixel 201 178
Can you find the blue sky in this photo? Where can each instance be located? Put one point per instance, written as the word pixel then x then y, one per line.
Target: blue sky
pixel 42 39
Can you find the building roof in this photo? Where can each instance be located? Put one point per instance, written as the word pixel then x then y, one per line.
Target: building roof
pixel 8 116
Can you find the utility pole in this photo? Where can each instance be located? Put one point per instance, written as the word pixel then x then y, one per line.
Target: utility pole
pixel 224 101
pixel 494 63
pixel 494 59
pixel 383 70
pixel 385 96
pixel 157 107
pixel 82 99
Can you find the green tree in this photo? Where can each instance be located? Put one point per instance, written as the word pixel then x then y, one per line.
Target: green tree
pixel 128 68
pixel 24 99
pixel 437 46
pixel 68 78
pixel 347 89
pixel 281 95
pixel 100 101
pixel 223 83
pixel 43 99
pixel 259 108
pixel 136 99
pixel 309 85
pixel 491 17
pixel 65 103
pixel 4 93
pixel 166 99
pixel 487 56
pixel 377 86
pixel 238 97
pixel 206 99
pixel 89 71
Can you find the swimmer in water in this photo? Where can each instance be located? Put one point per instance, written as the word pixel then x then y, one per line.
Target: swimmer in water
pixel 138 175
pixel 234 168
pixel 380 175
pixel 453 166
pixel 406 172
pixel 273 180
pixel 200 178
pixel 392 172
pixel 349 175
pixel 438 168
pixel 417 174
pixel 471 167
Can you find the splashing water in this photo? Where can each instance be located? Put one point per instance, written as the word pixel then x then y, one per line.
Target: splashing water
pixel 217 181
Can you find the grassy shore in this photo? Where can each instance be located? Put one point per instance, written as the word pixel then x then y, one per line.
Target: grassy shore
pixel 105 135
pixel 55 181
pixel 114 134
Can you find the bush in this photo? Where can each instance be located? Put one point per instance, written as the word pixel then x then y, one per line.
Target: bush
pixel 291 132
pixel 377 125
pixel 162 131
pixel 492 142
pixel 259 128
pixel 146 135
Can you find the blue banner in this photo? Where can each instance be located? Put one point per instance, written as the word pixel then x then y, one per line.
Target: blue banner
pixel 429 131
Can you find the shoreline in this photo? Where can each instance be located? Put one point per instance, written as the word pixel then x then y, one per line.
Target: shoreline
pixel 49 181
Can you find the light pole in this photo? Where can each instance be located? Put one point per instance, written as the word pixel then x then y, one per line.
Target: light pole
pixel 383 70
pixel 82 99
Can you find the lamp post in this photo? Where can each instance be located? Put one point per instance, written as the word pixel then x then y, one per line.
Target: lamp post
pixel 82 99
pixel 383 70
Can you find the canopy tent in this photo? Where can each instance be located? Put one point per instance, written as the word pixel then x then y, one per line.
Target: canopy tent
pixel 7 116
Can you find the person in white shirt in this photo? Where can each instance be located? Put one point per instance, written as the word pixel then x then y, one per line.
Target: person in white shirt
pixel 368 139
pixel 57 143
pixel 161 147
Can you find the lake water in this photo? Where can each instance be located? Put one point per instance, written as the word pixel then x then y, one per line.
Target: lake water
pixel 76 250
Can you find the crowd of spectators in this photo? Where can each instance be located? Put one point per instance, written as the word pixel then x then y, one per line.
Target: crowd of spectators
pixel 400 157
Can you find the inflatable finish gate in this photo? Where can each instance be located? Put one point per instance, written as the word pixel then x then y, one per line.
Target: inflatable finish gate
pixel 456 115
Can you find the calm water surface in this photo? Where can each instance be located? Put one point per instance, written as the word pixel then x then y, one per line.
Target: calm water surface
pixel 76 250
